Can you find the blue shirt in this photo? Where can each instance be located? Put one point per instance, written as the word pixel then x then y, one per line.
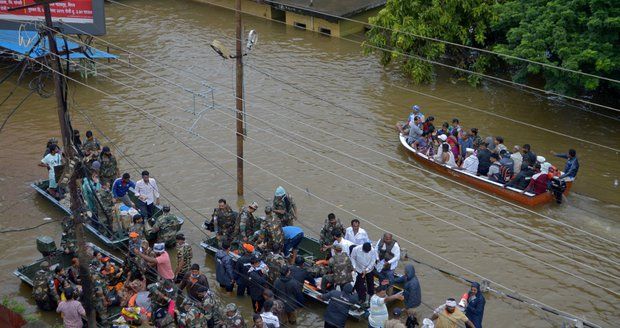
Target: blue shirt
pixel 571 168
pixel 118 190
pixel 291 231
pixel 464 144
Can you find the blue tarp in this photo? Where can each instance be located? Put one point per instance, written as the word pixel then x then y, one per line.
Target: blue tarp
pixel 20 41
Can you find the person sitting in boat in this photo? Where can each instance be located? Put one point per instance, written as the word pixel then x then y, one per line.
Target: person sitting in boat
pixel 506 165
pixel 470 164
pixel 441 139
pixel 415 131
pixel 484 159
pixel 465 141
pixel 424 141
pixel 137 225
pixel 521 180
pixel 476 139
pixel 388 251
pixel 403 127
pixel 50 162
pixel 121 186
pixel 499 145
pixel 447 158
pixel 326 236
pixel 495 166
pixel 572 164
pixel 455 148
pixel 445 129
pixel 538 183
pixel 455 129
pixel 42 288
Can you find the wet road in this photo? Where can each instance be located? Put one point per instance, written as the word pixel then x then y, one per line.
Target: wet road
pixel 348 101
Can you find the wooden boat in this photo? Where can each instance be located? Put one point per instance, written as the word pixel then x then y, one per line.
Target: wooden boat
pixel 41 188
pixel 481 182
pixel 309 248
pixel 26 273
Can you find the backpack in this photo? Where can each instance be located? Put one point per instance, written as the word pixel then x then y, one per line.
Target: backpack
pixel 41 287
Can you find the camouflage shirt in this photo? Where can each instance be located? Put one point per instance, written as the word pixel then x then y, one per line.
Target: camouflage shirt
pixel 212 307
pixel 275 262
pixel 340 266
pixel 68 241
pixel 107 206
pixel 280 203
pixel 248 224
pixel 327 238
pixel 273 232
pixel 43 286
pixel 192 317
pixel 108 168
pixel 226 222
pixel 90 146
pixel 167 226
pixel 236 321
pixel 184 253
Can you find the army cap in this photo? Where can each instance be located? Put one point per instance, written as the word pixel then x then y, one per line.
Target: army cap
pixel 231 307
pixel 45 265
pixel 254 205
pixel 337 246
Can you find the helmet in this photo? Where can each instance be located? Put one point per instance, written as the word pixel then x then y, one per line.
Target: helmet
pixel 280 191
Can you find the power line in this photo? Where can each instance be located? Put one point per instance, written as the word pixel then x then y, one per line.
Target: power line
pixel 436 40
pixel 314 195
pixel 362 145
pixel 400 189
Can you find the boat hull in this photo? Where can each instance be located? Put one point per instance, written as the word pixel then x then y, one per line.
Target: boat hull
pixel 482 183
pixel 41 188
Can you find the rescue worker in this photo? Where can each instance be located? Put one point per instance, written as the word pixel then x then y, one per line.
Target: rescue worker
pixel 327 232
pixel 137 225
pixel 290 292
pixel 43 288
pixel 105 207
pixel 340 270
pixel 161 294
pixel 166 227
pixel 100 304
pixel 189 316
pixel 224 219
pixel 108 172
pixel 211 306
pixel 232 318
pixel 274 235
pixel 68 241
pixel 338 306
pixel 91 146
pixel 184 258
pixel 248 224
pixel 257 282
pixel 275 261
pixel 241 269
pixel 284 207
pixel 224 268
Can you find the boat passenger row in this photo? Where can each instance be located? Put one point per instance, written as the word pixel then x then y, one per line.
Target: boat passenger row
pixel 488 159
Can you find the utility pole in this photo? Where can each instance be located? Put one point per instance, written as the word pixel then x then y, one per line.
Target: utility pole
pixel 69 151
pixel 240 134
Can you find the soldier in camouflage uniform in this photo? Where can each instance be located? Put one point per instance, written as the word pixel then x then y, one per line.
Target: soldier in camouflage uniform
pixel 339 268
pixel 184 257
pixel 68 241
pixel 211 307
pixel 90 149
pixel 106 209
pixel 100 304
pixel 190 315
pixel 43 290
pixel 137 225
pixel 327 238
pixel 274 261
pixel 166 227
pixel 232 318
pixel 225 222
pixel 161 294
pixel 284 207
pixel 272 227
pixel 248 224
pixel 108 171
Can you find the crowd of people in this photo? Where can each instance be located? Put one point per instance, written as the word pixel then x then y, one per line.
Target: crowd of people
pixel 257 256
pixel 463 149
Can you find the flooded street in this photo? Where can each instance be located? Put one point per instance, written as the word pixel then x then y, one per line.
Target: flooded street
pixel 319 123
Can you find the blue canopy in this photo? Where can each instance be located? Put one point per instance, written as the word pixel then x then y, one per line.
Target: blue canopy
pixel 20 41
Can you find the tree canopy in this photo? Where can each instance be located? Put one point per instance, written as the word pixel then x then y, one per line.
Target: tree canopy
pixel 581 35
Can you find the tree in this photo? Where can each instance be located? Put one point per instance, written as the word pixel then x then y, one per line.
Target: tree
pixel 461 21
pixel 579 35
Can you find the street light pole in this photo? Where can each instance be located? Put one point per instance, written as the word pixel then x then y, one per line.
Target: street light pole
pixel 240 134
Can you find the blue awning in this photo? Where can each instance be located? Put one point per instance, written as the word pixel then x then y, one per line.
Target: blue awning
pixel 20 42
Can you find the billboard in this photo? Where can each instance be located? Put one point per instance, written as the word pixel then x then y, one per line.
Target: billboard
pixel 77 16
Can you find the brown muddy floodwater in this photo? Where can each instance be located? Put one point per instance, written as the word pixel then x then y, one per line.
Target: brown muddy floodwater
pixel 353 97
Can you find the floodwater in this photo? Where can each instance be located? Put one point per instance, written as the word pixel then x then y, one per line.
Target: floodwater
pixel 332 147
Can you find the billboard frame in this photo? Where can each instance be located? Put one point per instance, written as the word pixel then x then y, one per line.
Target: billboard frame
pixel 97 27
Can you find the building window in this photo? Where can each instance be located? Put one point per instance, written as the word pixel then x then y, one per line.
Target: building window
pixel 325 31
pixel 300 25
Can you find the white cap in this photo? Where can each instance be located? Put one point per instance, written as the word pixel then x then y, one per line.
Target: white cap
pixel 540 159
pixel 442 137
pixel 451 303
pixel 469 150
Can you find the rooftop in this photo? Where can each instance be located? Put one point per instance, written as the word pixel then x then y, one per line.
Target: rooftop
pixel 327 9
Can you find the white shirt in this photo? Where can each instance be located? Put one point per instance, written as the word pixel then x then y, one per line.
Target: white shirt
pixel 345 246
pixel 270 319
pixel 470 164
pixel 148 190
pixel 395 250
pixel 363 262
pixel 356 238
pixel 518 160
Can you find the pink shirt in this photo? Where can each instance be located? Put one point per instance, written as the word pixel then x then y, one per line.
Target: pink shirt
pixel 164 267
pixel 72 312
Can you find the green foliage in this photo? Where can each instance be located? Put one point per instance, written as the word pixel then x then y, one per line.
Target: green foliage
pixel 580 35
pixel 461 21
pixel 18 308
